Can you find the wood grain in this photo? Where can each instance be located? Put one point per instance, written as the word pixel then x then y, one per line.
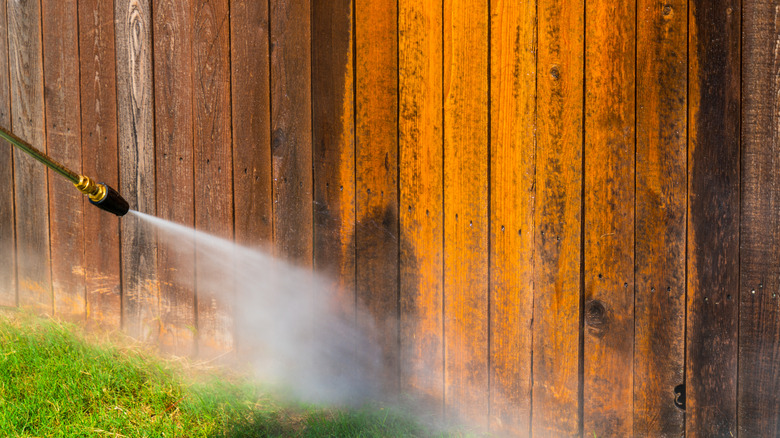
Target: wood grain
pixel 7 225
pixel 758 402
pixel 512 184
pixel 466 215
pixel 135 117
pixel 30 177
pixel 558 219
pixel 661 173
pixel 609 218
pixel 376 230
pixel 213 159
pixel 421 200
pixel 173 91
pixel 713 218
pixel 62 97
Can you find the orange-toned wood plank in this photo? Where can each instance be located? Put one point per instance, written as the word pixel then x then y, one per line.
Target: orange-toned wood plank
pixel 661 173
pixel 140 292
pixel 421 184
pixel 558 219
pixel 466 209
pixel 173 92
pixel 713 218
pixel 63 135
pixel 609 218
pixel 291 130
pixel 7 231
pixel 30 177
pixel 213 167
pixel 512 184
pixel 376 230
pixel 758 400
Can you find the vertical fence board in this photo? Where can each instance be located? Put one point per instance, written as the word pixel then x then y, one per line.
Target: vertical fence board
pixel 376 230
pixel 660 216
pixel 174 167
pixel 7 231
pixel 30 177
pixel 466 209
pixel 63 136
pixel 557 219
pixel 135 105
pixel 421 191
pixel 512 173
pixel 758 401
pixel 713 218
pixel 213 166
pixel 609 218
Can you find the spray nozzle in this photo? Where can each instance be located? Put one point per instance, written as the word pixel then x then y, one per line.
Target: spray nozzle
pixel 103 196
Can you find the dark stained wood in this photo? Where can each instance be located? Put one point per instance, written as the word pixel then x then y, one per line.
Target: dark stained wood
pixel 213 167
pixel 713 218
pixel 758 403
pixel 376 230
pixel 135 106
pixel 512 184
pixel 421 194
pixel 558 219
pixel 63 136
pixel 291 130
pixel 7 229
pixel 609 218
pixel 173 92
pixel 30 177
pixel 466 216
pixel 661 173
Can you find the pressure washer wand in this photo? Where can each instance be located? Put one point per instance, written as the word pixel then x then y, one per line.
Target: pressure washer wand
pixel 100 195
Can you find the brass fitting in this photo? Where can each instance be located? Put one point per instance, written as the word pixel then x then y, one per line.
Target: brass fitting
pixel 96 192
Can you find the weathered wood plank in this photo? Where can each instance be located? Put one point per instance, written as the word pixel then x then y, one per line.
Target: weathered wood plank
pixel 661 173
pixel 135 106
pixel 376 230
pixel 512 173
pixel 173 90
pixel 213 168
pixel 466 216
pixel 421 195
pixel 63 135
pixel 609 218
pixel 30 177
pixel 7 228
pixel 713 218
pixel 558 219
pixel 758 403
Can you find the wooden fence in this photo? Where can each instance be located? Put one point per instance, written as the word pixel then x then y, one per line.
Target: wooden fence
pixel 558 212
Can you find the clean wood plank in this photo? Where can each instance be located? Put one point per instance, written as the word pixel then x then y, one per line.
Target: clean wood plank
pixel 466 216
pixel 100 159
pixel 135 105
pixel 661 191
pixel 512 184
pixel 376 230
pixel 333 124
pixel 609 218
pixel 713 218
pixel 558 219
pixel 63 135
pixel 30 177
pixel 421 196
pixel 291 130
pixel 758 403
pixel 213 167
pixel 173 91
pixel 7 228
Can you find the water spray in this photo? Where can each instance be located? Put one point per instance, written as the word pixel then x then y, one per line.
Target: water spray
pixel 100 195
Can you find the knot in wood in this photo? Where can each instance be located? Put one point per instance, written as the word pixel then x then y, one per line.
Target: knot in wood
pixel 596 317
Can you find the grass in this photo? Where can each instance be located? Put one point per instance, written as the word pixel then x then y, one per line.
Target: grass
pixel 55 382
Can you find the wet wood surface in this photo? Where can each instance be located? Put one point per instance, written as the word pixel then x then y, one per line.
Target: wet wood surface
pixel 7 222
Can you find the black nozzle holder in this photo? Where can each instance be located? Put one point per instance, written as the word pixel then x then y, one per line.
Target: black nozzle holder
pixel 113 202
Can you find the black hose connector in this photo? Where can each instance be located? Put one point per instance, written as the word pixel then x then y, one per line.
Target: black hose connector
pixel 113 202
